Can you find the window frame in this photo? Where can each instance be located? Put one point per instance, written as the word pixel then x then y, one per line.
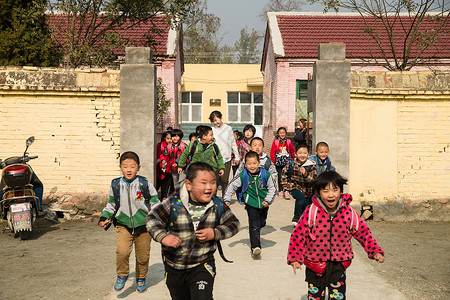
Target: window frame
pixel 252 105
pixel 189 105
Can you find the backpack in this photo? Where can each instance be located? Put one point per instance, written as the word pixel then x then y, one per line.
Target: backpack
pixel 115 184
pixel 176 204
pixel 267 164
pixel 316 160
pixel 312 215
pixel 194 148
pixel 243 188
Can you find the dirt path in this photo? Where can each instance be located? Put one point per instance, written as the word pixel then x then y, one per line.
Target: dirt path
pixel 75 260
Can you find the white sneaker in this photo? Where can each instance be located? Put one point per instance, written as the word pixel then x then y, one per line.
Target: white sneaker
pixel 256 252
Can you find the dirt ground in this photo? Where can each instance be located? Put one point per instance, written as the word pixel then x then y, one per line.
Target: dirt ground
pixel 75 260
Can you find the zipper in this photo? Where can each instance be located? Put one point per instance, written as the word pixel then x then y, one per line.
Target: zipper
pixel 129 206
pixel 256 188
pixel 331 230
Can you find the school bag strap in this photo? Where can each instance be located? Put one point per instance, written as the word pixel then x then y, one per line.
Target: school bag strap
pixel 194 148
pixel 176 205
pixel 267 164
pixel 244 183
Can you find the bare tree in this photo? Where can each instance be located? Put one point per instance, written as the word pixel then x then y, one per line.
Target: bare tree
pixel 280 5
pixel 415 30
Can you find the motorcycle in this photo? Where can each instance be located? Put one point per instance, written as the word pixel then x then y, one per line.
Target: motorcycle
pixel 19 202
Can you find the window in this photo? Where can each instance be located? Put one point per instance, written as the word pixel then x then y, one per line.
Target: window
pixel 191 104
pixel 302 90
pixel 301 106
pixel 245 107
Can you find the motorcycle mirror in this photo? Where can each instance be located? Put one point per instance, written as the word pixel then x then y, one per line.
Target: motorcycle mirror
pixel 29 141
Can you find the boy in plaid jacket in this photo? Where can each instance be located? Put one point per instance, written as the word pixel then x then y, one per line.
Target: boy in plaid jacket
pixel 297 178
pixel 188 226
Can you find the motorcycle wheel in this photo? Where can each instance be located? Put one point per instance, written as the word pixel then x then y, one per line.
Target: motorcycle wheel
pixel 24 235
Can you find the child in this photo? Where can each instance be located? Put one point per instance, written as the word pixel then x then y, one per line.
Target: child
pixel 178 146
pixel 130 199
pixel 188 225
pixel 238 138
pixel 322 239
pixel 259 191
pixel 282 151
pixel 257 145
pixel 249 132
pixel 297 177
pixel 323 162
pixel 192 137
pixel 164 173
pixel 203 150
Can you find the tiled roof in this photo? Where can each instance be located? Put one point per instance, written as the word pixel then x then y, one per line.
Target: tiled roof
pixel 157 29
pixel 301 35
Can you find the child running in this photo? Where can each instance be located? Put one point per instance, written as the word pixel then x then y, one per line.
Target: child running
pixel 322 239
pixel 178 146
pixel 188 225
pixel 323 162
pixel 257 145
pixel 130 199
pixel 281 153
pixel 163 170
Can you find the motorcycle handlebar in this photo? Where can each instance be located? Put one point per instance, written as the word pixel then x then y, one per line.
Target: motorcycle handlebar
pixel 32 157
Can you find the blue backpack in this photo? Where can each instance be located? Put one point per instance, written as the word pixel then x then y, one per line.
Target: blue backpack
pixel 315 158
pixel 241 190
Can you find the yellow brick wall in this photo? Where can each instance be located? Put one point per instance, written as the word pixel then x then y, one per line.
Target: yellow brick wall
pixel 400 136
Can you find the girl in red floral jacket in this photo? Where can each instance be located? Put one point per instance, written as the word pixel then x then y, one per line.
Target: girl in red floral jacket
pixel 322 238
pixel 163 167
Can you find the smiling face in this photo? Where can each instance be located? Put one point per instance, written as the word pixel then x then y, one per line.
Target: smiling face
pixel 302 154
pixel 168 139
pixel 129 168
pixel 330 196
pixel 208 138
pixel 252 164
pixel 203 186
pixel 175 139
pixel 257 146
pixel 322 152
pixel 217 122
pixel 248 134
pixel 282 133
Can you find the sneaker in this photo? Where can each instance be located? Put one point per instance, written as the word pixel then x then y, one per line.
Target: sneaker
pixel 287 195
pixel 256 252
pixel 120 283
pixel 141 286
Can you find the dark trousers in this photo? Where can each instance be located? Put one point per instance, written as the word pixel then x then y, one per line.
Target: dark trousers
pixel 223 180
pixel 165 185
pixel 301 202
pixel 191 284
pixel 335 290
pixel 256 220
pixel 279 171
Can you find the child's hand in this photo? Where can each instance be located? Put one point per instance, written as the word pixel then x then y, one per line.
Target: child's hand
pixel 221 172
pixel 171 241
pixel 101 224
pixel 180 170
pixel 174 165
pixel 378 257
pixel 204 235
pixel 265 204
pixel 296 265
pixel 302 170
pixel 227 203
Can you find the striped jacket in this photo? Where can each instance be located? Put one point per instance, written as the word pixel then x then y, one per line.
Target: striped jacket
pixel 191 252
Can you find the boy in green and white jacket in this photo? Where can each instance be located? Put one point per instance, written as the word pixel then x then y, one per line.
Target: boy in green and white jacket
pixel 259 194
pixel 131 197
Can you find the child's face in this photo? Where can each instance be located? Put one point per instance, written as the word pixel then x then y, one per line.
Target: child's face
pixel 248 134
pixel 217 122
pixel 175 139
pixel 330 196
pixel 322 152
pixel 203 186
pixel 168 139
pixel 282 133
pixel 302 154
pixel 257 146
pixel 208 139
pixel 129 168
pixel 235 136
pixel 252 164
pixel 193 139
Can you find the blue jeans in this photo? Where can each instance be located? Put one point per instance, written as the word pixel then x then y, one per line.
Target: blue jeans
pixel 301 202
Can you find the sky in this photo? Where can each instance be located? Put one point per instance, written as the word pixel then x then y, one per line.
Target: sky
pixel 236 14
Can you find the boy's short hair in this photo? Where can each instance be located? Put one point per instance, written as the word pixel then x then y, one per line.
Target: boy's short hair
pixel 301 145
pixel 257 139
pixel 198 128
pixel 252 154
pixel 177 132
pixel 192 134
pixel 193 169
pixel 204 130
pixel 129 155
pixel 163 136
pixel 214 114
pixel 322 144
pixel 249 127
pixel 328 177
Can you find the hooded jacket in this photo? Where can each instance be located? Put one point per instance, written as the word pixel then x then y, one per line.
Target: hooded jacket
pixel 330 238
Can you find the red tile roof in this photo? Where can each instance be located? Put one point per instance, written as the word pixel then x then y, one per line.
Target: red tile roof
pixel 157 29
pixel 302 34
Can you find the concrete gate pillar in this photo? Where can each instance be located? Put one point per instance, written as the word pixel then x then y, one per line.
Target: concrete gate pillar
pixel 138 108
pixel 331 104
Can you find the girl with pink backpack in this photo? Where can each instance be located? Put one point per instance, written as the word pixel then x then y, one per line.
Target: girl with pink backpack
pixel 281 153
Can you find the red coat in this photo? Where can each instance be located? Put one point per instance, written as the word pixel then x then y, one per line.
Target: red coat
pixel 277 146
pixel 163 153
pixel 302 245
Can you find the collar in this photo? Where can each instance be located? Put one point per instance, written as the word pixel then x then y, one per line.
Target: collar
pixel 184 197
